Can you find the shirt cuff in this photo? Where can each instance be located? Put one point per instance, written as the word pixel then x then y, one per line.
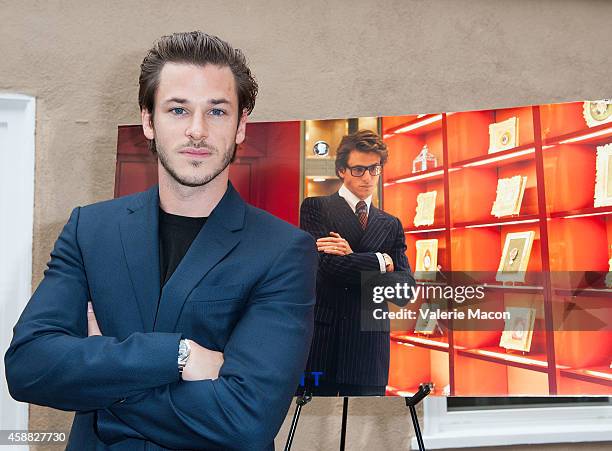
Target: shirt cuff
pixel 381 262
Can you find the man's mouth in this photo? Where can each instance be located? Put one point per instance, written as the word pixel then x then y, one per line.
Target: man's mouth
pixel 195 152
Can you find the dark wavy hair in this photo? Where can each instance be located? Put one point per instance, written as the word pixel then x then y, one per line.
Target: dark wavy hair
pixel 361 141
pixel 198 48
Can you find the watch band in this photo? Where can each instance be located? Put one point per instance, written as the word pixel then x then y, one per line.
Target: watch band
pixel 183 354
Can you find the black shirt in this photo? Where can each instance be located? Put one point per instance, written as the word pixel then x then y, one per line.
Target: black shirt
pixel 176 233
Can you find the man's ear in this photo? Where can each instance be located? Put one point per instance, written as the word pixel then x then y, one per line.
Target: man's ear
pixel 341 172
pixel 241 130
pixel 147 124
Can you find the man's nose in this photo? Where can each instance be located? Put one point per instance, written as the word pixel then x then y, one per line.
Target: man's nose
pixel 198 128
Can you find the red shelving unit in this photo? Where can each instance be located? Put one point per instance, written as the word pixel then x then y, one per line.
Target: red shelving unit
pixel 556 152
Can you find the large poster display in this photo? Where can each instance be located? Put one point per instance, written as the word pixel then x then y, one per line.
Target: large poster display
pixel 468 250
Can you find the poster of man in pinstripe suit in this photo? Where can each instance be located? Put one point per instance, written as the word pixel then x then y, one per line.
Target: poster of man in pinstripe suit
pixel 353 236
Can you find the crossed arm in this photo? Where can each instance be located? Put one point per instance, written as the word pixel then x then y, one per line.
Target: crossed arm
pixel 336 257
pixel 52 361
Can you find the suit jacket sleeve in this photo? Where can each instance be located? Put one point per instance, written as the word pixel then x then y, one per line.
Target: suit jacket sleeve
pixel 263 361
pixel 344 267
pixel 402 273
pixel 52 362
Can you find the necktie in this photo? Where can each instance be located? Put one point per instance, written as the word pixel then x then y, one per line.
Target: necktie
pixel 362 213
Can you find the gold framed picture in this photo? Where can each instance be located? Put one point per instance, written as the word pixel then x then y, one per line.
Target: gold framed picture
pixel 597 112
pixel 603 177
pixel 426 208
pixel 515 257
pixel 510 193
pixel 426 259
pixel 518 329
pixel 503 135
pixel 427 325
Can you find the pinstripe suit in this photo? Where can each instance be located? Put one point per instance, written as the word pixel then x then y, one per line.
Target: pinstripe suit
pixel 344 353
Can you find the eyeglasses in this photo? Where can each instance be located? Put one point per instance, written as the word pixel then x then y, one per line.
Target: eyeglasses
pixel 358 171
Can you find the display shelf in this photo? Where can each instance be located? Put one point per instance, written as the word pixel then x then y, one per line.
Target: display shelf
pixel 403 392
pixel 556 153
pixel 597 375
pixel 424 124
pixel 428 175
pixel 425 229
pixel 529 289
pixel 495 222
pixel 516 154
pixel 415 365
pixel 582 212
pixel 584 292
pixel 433 343
pixel 495 354
pixel 597 135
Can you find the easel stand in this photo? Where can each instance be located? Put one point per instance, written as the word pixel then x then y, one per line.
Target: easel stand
pixel 424 390
pixel 300 402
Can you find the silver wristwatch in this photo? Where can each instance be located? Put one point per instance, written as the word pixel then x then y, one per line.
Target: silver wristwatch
pixel 183 354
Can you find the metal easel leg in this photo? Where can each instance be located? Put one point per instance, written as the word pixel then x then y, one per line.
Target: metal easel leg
pixel 424 390
pixel 300 402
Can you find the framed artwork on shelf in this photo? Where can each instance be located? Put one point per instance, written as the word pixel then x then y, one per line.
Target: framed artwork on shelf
pixel 425 210
pixel 503 135
pixel 510 193
pixel 515 257
pixel 426 323
pixel 603 177
pixel 426 259
pixel 597 112
pixel 518 329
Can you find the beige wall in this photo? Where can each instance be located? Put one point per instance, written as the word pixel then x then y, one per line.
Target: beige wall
pixel 313 59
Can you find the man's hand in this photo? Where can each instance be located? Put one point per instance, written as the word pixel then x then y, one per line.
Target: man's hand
pixel 202 363
pixel 388 263
pixel 334 244
pixel 92 323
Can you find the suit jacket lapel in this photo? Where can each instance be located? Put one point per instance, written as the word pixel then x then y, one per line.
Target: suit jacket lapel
pixel 345 220
pixel 217 238
pixel 139 237
pixel 376 230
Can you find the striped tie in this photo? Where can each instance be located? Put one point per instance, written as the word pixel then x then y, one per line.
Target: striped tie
pixel 362 213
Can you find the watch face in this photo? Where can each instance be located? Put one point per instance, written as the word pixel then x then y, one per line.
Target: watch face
pixel 321 148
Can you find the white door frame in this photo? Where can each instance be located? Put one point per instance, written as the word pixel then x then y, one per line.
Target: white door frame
pixel 17 150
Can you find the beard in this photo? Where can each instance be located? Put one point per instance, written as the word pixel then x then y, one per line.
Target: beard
pixel 203 179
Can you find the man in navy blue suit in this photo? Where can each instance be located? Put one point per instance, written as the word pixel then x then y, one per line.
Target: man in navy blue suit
pixel 181 317
pixel 354 239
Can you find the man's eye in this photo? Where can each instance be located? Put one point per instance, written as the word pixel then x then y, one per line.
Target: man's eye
pixel 178 111
pixel 217 112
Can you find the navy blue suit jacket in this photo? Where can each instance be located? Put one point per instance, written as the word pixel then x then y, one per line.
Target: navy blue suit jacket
pixel 340 347
pixel 245 287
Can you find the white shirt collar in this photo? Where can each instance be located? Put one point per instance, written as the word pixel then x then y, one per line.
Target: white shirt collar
pixel 351 199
